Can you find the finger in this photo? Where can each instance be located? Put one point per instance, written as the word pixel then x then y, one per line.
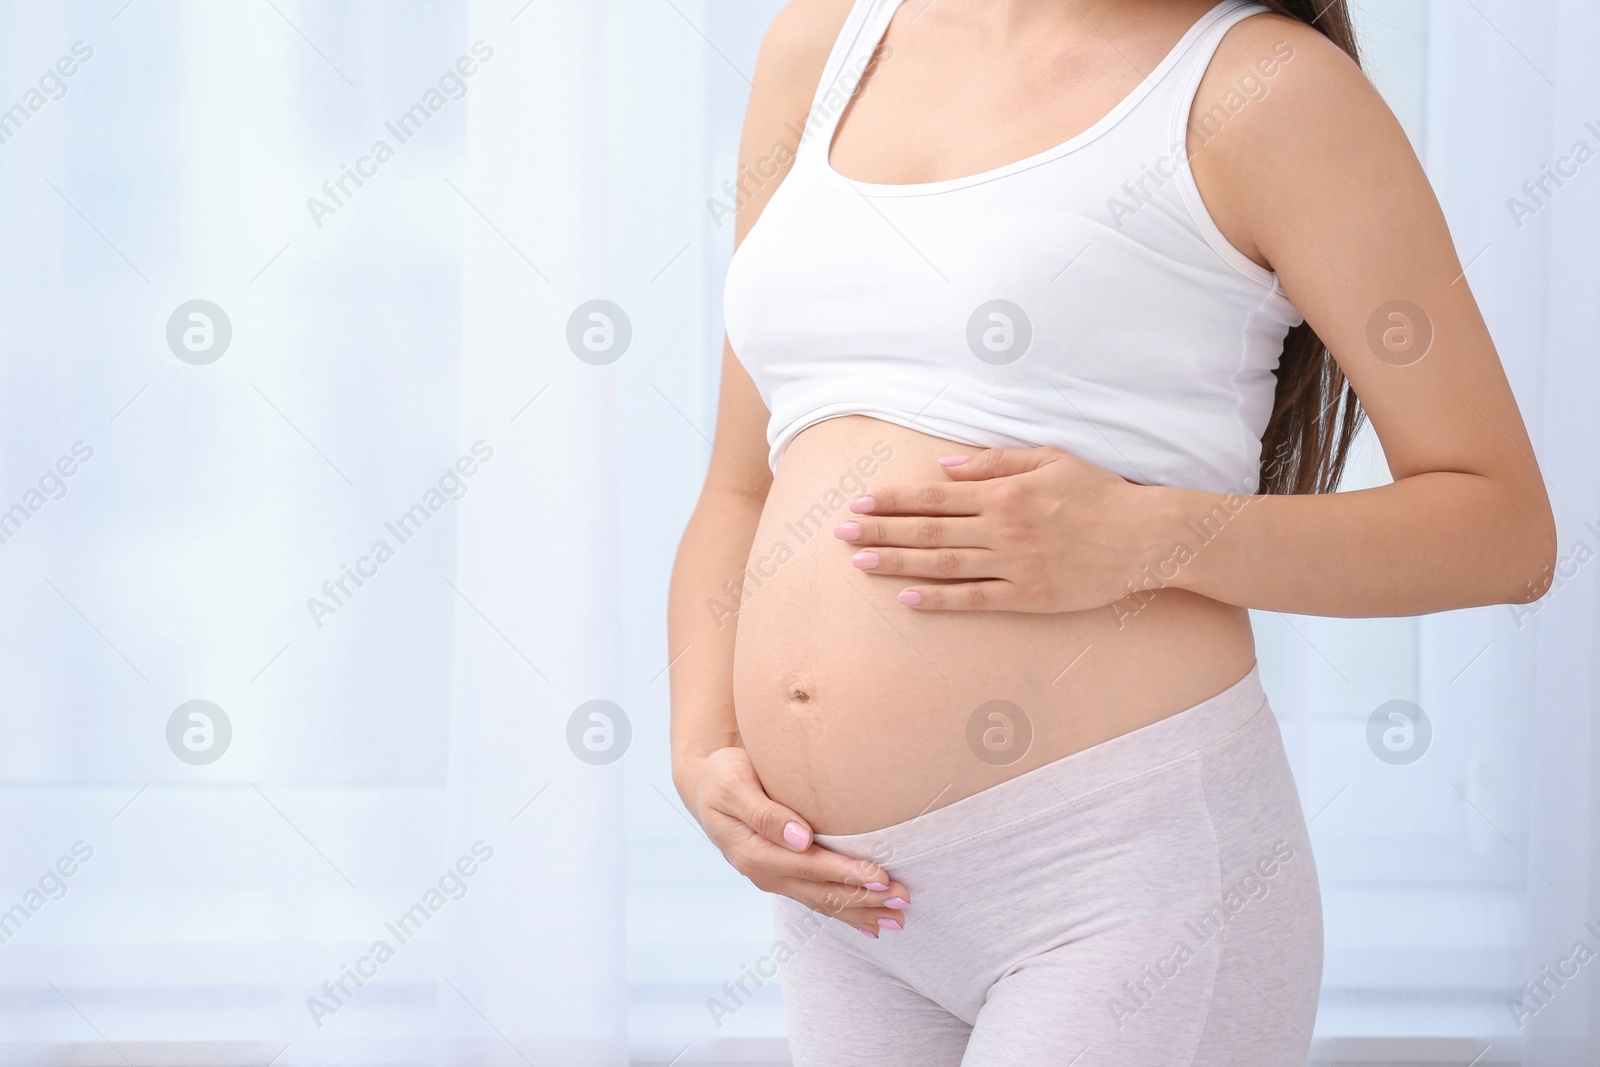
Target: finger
pixel 873 923
pixel 926 498
pixel 861 880
pixel 832 898
pixel 762 819
pixel 772 821
pixel 997 462
pixel 922 531
pixel 991 595
pixel 967 563
pixel 844 903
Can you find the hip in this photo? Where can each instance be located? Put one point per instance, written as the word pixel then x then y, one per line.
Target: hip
pixel 1157 848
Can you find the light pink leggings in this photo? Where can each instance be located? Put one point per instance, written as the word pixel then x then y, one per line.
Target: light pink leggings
pixel 1149 902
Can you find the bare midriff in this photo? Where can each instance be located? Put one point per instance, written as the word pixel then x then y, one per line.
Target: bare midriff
pixel 859 712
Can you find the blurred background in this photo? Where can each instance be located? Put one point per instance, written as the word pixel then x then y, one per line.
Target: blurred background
pixel 360 365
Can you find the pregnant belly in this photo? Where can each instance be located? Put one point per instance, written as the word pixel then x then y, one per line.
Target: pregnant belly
pixel 860 713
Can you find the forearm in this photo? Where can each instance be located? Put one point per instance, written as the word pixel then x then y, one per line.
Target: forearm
pixel 702 619
pixel 1430 542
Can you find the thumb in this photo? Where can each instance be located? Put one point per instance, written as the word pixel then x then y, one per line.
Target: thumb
pixel 996 463
pixel 778 824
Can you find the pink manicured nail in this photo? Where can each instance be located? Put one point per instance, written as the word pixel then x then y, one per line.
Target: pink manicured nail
pixel 894 902
pixel 865 560
pixel 868 933
pixel 890 924
pixel 876 887
pixel 910 596
pixel 863 505
pixel 797 836
pixel 952 461
pixel 847 531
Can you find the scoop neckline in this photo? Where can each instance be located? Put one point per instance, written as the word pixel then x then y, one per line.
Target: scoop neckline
pixel 1071 144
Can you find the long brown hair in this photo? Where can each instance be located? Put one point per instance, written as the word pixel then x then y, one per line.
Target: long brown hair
pixel 1316 413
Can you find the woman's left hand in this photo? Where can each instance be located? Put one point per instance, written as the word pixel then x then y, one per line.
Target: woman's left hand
pixel 1031 529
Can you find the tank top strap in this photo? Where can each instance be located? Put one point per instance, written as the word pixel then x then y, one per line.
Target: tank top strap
pixel 1204 40
pixel 852 52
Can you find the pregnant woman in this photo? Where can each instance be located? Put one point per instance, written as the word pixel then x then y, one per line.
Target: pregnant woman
pixel 1046 326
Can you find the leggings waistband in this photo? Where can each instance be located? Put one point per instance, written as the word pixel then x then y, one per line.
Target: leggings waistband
pixel 1147 750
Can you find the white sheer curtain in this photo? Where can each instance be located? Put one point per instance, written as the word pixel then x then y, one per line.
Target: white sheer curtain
pixel 396 765
pixel 1453 879
pixel 1515 134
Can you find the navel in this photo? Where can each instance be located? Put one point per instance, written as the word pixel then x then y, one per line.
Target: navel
pixel 798 692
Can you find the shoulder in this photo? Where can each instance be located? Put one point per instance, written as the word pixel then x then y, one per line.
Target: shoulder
pixel 1272 36
pixel 1272 75
pixel 1284 125
pixel 798 41
pixel 794 53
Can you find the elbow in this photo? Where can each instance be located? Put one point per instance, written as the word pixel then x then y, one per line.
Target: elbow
pixel 1530 564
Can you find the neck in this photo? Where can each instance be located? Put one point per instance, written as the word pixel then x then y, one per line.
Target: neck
pixel 1009 20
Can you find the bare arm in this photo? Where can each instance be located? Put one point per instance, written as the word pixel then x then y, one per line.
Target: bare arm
pixel 763 840
pixel 1321 183
pixel 1316 181
pixel 716 542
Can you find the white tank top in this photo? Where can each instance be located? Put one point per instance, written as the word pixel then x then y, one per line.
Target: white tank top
pixel 1081 297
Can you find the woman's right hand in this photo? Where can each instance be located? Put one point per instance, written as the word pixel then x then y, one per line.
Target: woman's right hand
pixel 771 845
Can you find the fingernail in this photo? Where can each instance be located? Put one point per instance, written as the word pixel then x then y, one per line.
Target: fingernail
pixel 910 596
pixel 895 903
pixel 847 531
pixel 952 461
pixel 865 560
pixel 863 505
pixel 890 924
pixel 868 933
pixel 876 887
pixel 797 836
